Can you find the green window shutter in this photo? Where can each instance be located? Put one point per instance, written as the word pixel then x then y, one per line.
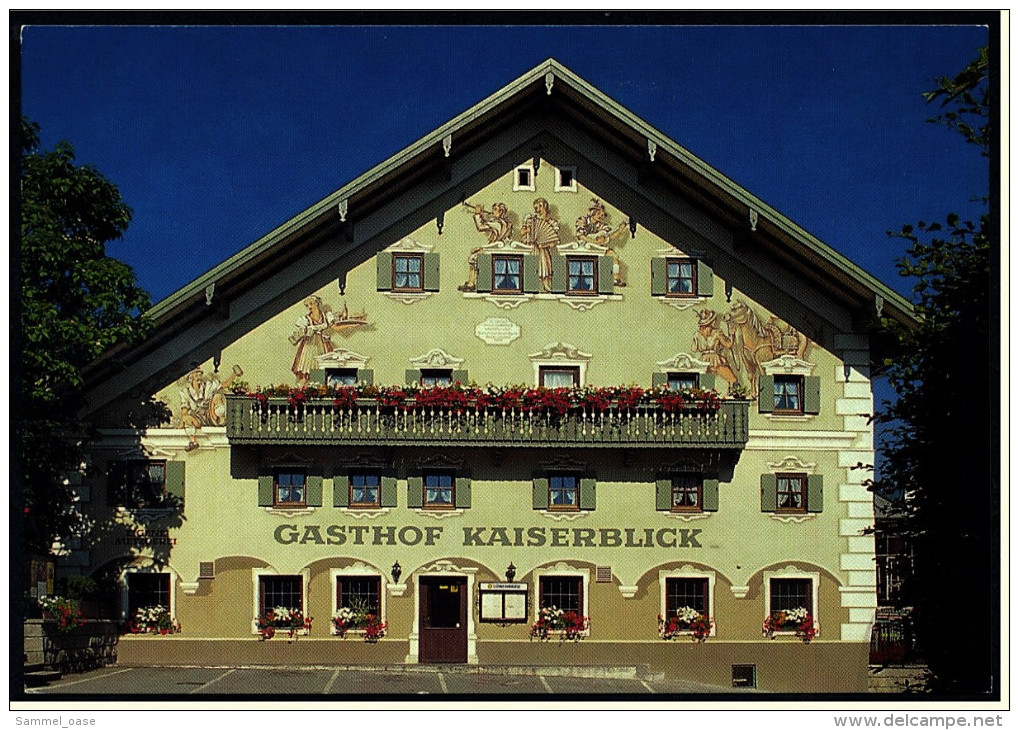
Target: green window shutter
pixel 463 492
pixel 384 271
pixel 175 481
pixel 412 377
pixel 365 377
pixel 560 274
pixel 317 377
pixel 659 380
pixel 606 277
pixel 388 496
pixel 815 493
pixel 539 492
pixel 415 491
pixel 459 376
pixel 587 488
pixel 707 381
pixel 769 492
pixel 812 394
pixel 314 496
pixel 341 490
pixel 116 483
pixel 705 279
pixel 265 490
pixel 659 277
pixel 663 494
pixel 710 493
pixel 532 284
pixel 484 272
pixel 766 394
pixel 431 276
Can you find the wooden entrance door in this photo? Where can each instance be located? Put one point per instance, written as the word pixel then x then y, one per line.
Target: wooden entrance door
pixel 443 620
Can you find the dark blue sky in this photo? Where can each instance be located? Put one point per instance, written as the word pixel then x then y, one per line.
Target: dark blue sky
pixel 216 135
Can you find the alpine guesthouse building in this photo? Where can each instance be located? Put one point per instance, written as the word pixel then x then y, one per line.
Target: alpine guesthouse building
pixel 541 389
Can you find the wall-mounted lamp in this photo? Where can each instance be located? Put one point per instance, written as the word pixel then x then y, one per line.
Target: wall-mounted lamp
pixel 511 572
pixel 396 572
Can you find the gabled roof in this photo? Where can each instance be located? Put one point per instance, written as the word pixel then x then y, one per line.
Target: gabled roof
pixel 548 90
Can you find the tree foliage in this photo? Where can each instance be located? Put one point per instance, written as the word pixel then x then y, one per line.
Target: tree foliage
pixel 76 302
pixel 939 446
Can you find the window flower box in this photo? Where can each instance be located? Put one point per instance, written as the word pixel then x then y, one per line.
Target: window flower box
pixel 370 626
pixel 153 620
pixel 796 621
pixel 570 625
pixel 281 619
pixel 687 621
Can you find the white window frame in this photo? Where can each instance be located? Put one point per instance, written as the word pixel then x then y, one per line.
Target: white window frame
pixel 687 571
pixel 560 354
pixel 792 572
pixel 257 573
pixel 358 570
pixel 124 582
pixel 564 571
pixel 529 166
pixel 572 187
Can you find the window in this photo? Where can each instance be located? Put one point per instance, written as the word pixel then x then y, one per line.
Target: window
pixel 566 180
pixel 507 275
pixel 558 377
pixel 440 490
pixel 336 377
pixel 791 494
pixel 583 275
pixel 290 488
pixel 144 484
pixel 683 381
pixel 365 489
pixel 436 376
pixel 681 278
pixel 361 593
pixel 147 589
pixel 562 591
pixel 284 591
pixel 691 592
pixel 687 493
pixel 788 391
pixel 523 178
pixel 563 492
pixel 787 594
pixel 407 272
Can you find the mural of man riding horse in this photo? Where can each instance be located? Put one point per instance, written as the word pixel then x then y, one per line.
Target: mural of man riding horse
pixel 737 355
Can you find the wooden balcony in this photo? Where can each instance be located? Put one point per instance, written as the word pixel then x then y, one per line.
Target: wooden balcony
pixel 319 422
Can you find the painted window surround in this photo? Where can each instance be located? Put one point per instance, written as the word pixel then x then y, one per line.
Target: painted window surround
pixel 688 571
pixel 792 572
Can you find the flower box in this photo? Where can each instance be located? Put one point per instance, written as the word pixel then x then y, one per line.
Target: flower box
pixel 361 621
pixel 686 622
pixel 796 621
pixel 570 625
pixel 280 619
pixel 153 620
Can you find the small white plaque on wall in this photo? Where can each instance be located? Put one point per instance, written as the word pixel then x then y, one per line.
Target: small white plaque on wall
pixel 497 331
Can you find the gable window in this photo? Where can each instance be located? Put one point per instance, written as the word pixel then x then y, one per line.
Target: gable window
pixel 788 394
pixel 791 493
pixel 360 593
pixel 683 381
pixel 687 493
pixel 507 277
pixel 336 377
pixel 408 272
pixel 523 178
pixel 565 592
pixel 290 488
pixel 563 492
pixel 687 592
pixel 566 180
pixel 440 490
pixel 583 275
pixel 682 278
pixel 144 484
pixel 283 591
pixel 365 489
pixel 558 377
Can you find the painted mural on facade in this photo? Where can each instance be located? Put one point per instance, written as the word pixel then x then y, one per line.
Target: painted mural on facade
pixel 313 335
pixel 738 343
pixel 203 401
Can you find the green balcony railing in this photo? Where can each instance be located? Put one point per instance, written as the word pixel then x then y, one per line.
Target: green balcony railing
pixel 320 422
